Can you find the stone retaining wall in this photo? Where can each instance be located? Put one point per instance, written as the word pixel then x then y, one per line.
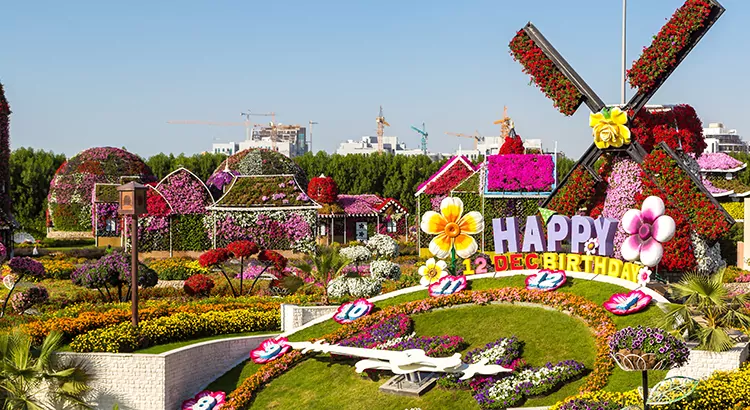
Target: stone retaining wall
pixel 702 363
pixel 294 316
pixel 160 381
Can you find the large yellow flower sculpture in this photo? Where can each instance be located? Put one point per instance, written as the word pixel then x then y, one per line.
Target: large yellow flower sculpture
pixel 452 229
pixel 609 128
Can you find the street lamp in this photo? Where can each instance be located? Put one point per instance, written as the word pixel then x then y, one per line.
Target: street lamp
pixel 133 203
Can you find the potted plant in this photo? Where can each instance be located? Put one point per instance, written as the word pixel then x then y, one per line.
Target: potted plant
pixel 645 348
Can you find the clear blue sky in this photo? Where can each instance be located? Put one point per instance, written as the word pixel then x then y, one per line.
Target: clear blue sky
pixel 89 73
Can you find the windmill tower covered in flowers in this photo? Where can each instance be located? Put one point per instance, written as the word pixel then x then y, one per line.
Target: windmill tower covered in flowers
pixel 638 151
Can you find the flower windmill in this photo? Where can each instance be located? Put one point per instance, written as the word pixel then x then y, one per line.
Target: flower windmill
pixel 649 142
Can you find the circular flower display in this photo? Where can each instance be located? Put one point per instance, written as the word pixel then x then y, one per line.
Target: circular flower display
pixel 351 311
pixel 447 285
pixel 546 280
pixel 452 229
pixel 432 271
pixel 609 128
pixel 205 400
pixel 269 350
pixel 591 246
pixel 627 303
pixel 644 276
pixel 648 228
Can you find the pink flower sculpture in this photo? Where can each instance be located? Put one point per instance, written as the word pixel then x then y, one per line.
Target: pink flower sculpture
pixel 644 276
pixel 447 285
pixel 627 303
pixel 205 400
pixel 648 228
pixel 546 280
pixel 351 311
pixel 269 350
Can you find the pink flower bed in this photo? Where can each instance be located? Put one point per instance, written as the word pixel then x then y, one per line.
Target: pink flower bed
pixel 718 160
pixel 623 185
pixel 520 172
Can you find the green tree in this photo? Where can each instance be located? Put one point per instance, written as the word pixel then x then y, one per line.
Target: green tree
pixel 31 172
pixel 564 166
pixel 161 164
pixel 27 373
pixel 327 265
pixel 708 313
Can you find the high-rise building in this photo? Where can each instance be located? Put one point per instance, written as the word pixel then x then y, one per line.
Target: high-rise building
pixel 290 140
pixel 720 139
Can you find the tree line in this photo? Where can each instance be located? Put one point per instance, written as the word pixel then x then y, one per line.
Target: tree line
pixel 392 176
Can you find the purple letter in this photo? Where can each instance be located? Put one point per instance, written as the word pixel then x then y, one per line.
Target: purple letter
pixel 582 228
pixel 605 232
pixel 558 230
pixel 532 235
pixel 505 231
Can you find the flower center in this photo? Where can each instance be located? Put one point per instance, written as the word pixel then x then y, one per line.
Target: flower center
pixel 432 273
pixel 644 231
pixel 452 229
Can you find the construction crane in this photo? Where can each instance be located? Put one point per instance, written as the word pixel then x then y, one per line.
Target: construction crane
pixel 424 134
pixel 273 125
pixel 476 137
pixel 507 127
pixel 382 123
pixel 247 124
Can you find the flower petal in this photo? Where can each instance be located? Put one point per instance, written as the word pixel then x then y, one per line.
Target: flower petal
pixel 433 223
pixel 631 221
pixel 631 248
pixel 471 223
pixel 663 228
pixel 617 116
pixel 465 246
pixel 595 119
pixel 442 265
pixel 424 281
pixel 422 270
pixel 651 252
pixel 624 133
pixel 451 208
pixel 652 208
pixel 440 246
pixel 429 263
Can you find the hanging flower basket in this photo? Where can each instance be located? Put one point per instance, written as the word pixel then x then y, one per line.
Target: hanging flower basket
pixel 643 348
pixel 636 360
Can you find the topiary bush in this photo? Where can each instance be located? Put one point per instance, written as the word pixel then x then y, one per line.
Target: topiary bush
pixel 198 285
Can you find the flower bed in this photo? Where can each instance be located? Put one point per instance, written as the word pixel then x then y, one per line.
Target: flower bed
pixel 181 326
pixel 185 192
pixel 659 58
pixel 545 75
pixel 434 346
pixel 729 184
pixel 718 161
pixel 520 173
pixel 176 268
pixel 579 188
pixel 269 229
pixel 590 313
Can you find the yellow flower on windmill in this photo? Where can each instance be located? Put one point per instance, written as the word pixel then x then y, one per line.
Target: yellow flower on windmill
pixel 609 128
pixel 452 229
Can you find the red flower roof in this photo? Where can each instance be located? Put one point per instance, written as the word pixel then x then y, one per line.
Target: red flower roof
pixel 449 176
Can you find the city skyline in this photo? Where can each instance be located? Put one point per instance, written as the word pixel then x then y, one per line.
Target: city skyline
pixel 89 74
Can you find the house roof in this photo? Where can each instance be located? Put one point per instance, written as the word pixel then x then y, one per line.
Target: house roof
pixel 458 161
pixel 264 192
pixel 362 205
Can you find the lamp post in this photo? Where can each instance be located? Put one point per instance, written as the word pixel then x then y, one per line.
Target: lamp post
pixel 133 203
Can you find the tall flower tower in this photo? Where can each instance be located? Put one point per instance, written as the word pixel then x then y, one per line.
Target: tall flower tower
pixel 6 221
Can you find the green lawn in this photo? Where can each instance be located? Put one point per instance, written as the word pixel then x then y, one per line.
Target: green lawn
pixel 549 336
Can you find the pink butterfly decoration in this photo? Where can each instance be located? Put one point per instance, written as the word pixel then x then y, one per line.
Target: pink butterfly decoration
pixel 627 303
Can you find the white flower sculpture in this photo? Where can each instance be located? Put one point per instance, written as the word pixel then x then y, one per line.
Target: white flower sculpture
pixel 648 229
pixel 644 276
pixel 432 271
pixel 591 246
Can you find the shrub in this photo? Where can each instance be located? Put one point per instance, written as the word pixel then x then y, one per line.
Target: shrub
pixel 181 326
pixel 25 300
pixel 198 285
pixel 384 270
pixel 383 247
pixel 176 268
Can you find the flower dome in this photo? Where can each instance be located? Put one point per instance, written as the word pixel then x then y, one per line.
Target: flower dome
pixel 256 161
pixel 70 192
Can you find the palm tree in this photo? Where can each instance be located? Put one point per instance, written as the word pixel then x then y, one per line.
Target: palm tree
pixel 33 380
pixel 327 265
pixel 708 313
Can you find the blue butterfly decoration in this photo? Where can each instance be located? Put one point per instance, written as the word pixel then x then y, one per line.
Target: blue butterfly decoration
pixel 546 280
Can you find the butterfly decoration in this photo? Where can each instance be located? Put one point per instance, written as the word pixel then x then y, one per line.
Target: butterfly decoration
pixel 269 350
pixel 546 280
pixel 627 303
pixel 205 400
pixel 351 311
pixel 447 285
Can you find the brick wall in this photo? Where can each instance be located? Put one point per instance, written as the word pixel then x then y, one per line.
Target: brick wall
pixel 160 381
pixel 702 363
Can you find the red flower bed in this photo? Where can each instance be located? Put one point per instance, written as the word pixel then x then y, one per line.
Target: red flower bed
pixel 661 56
pixel 512 145
pixel 545 74
pixel 214 257
pixel 449 180
pixel 198 285
pixel 323 190
pixel 276 259
pixel 675 127
pixel 576 192
pixel 242 249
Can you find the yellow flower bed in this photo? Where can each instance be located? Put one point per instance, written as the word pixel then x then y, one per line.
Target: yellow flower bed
pixel 181 326
pixel 736 209
pixel 58 268
pixel 176 268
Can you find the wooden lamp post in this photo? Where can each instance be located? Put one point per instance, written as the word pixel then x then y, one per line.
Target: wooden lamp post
pixel 133 203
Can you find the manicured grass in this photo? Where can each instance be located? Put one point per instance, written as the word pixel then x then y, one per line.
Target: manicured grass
pixel 176 345
pixel 319 383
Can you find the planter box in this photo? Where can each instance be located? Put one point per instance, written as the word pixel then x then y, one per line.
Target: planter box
pixel 702 364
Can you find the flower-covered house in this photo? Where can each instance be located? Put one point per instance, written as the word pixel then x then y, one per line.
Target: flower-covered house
pixel 359 217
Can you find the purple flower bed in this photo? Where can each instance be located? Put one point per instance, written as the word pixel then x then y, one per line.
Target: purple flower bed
pixel 434 346
pixel 520 173
pixel 656 341
pixel 185 192
pixel 502 351
pixel 221 179
pixel 388 328
pixel 586 404
pixel 24 266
